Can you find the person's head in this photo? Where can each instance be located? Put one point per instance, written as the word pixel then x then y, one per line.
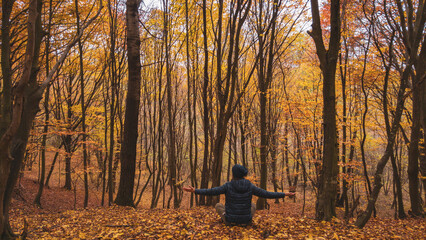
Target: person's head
pixel 239 171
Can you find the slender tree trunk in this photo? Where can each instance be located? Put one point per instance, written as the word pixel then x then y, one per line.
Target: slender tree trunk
pixel 263 87
pixel 343 70
pixel 68 137
pixel 365 216
pixel 83 109
pixel 221 128
pixel 130 132
pixel 113 104
pixel 46 112
pixel 363 121
pixel 206 123
pixel 242 134
pixel 265 80
pixel 190 119
pixel 43 145
pixel 52 167
pixel 274 163
pixel 172 159
pixel 227 98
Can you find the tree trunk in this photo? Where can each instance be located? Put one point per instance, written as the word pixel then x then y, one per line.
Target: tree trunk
pixel 325 207
pixel 190 119
pixel 221 127
pixel 413 153
pixel 113 104
pixel 421 63
pixel 16 136
pixel 46 112
pixel 130 132
pixel 206 124
pixel 83 109
pixel 397 182
pixel 227 98
pixel 14 139
pixel 67 137
pixel 6 68
pixel 43 144
pixel 365 216
pixel 172 159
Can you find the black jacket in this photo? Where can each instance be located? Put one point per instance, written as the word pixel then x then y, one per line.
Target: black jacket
pixel 238 194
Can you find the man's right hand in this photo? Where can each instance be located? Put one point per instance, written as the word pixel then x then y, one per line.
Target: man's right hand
pixel 189 189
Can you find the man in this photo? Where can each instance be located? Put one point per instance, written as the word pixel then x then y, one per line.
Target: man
pixel 238 207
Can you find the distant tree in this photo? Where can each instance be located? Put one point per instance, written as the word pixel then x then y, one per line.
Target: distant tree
pixel 412 36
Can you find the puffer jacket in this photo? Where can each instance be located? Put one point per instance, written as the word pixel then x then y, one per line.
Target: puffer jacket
pixel 238 195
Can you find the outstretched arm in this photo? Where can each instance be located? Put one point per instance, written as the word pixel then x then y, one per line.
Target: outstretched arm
pixel 210 191
pixel 265 194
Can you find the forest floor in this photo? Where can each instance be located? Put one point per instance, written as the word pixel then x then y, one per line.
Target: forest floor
pixel 62 217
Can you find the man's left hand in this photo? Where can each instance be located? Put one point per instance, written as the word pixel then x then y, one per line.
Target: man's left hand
pixel 290 194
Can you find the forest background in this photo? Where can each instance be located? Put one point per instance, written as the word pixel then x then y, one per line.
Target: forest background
pixel 126 102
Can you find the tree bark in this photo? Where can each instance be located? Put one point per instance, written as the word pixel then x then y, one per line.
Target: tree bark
pixel 325 207
pixel 37 199
pixel 130 132
pixel 6 68
pixel 421 74
pixel 13 140
pixel 172 158
pixel 206 123
pixel 83 108
pixel 414 153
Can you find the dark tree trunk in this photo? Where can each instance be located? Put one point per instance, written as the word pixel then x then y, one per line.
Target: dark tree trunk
pixel 365 216
pixel 113 104
pixel 172 156
pixel 227 97
pixel 325 207
pixel 263 87
pixel 221 128
pixel 14 139
pixel 37 199
pixel 396 175
pixel 52 167
pixel 206 124
pixel 43 144
pixel 13 142
pixel 412 44
pixel 68 137
pixel 190 118
pixel 343 201
pixel 6 68
pixel 83 109
pixel 414 153
pixel 421 70
pixel 130 132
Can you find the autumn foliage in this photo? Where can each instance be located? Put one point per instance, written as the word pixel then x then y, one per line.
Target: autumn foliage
pixel 113 102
